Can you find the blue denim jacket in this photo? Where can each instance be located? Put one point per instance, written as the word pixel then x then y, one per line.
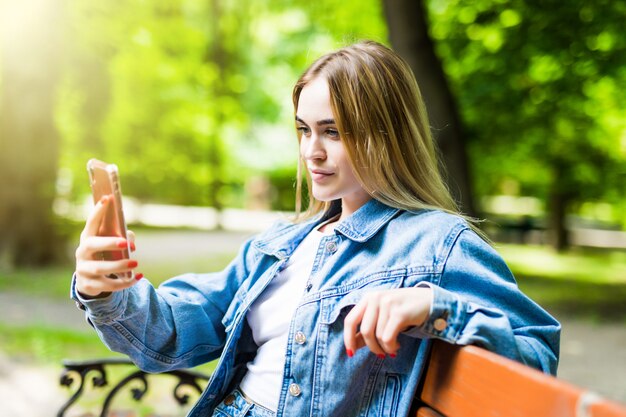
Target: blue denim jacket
pixel 195 318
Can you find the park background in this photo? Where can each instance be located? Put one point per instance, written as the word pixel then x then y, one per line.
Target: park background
pixel 192 100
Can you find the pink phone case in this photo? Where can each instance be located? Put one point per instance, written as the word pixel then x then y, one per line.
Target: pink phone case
pixel 104 180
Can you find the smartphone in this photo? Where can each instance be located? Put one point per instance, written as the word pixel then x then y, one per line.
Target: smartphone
pixel 104 180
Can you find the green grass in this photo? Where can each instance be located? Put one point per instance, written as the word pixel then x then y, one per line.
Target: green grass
pixel 42 344
pixel 588 284
pixel 589 266
pixel 54 282
pixel 159 272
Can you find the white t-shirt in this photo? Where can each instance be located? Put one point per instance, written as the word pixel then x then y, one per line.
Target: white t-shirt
pixel 269 318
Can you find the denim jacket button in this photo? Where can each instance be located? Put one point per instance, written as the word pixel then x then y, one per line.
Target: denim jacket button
pixel 229 399
pixel 440 324
pixel 300 338
pixel 294 390
pixel 331 247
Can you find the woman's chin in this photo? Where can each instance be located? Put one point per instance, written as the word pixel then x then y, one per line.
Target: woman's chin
pixel 324 197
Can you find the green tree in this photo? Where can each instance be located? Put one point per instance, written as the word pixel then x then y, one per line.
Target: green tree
pixel 538 85
pixel 409 34
pixel 197 90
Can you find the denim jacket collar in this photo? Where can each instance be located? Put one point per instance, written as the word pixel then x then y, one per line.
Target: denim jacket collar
pixel 359 227
pixel 366 221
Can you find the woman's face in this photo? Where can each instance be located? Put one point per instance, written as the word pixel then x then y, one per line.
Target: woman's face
pixel 323 150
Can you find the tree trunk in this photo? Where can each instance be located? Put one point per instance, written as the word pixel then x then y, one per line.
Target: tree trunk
pixel 29 142
pixel 408 32
pixel 558 203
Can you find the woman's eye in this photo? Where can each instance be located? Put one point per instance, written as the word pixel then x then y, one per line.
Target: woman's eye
pixel 303 130
pixel 332 133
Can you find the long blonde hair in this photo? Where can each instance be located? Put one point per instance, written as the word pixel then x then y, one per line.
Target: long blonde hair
pixel 382 121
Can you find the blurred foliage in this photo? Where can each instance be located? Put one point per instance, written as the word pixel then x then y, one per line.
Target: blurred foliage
pixel 189 95
pixel 192 98
pixel 538 83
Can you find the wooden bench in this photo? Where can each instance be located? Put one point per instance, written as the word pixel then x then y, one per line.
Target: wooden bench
pixel 459 382
pixel 472 382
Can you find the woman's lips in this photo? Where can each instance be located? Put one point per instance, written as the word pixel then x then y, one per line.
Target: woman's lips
pixel 318 175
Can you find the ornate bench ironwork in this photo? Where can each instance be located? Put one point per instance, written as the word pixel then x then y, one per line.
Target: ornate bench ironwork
pixel 97 369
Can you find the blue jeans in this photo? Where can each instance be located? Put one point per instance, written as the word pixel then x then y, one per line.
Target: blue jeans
pixel 236 405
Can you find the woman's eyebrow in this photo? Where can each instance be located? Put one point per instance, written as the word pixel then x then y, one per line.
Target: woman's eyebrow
pixel 319 122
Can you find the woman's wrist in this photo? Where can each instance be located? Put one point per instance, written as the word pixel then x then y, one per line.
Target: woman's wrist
pixel 92 297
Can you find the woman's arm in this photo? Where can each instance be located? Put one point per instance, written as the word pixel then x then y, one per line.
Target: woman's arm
pixel 177 325
pixel 474 301
pixel 477 301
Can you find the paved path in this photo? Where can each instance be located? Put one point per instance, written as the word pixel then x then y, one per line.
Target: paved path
pixel 593 355
pixel 27 390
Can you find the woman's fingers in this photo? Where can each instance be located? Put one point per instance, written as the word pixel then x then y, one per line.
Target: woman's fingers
pixel 352 338
pixel 93 276
pixel 92 245
pixel 379 318
pixel 95 217
pixel 386 314
pixel 359 342
pixel 97 268
pixel 369 324
pixel 130 235
pixel 94 286
pixel 389 337
pixel 360 327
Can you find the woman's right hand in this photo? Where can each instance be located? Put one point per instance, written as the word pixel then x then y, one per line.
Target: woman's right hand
pixel 91 272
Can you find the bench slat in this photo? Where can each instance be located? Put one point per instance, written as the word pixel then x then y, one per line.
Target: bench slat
pixel 607 409
pixel 472 382
pixel 428 412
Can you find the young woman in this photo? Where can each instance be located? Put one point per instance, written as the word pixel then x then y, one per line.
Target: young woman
pixel 332 314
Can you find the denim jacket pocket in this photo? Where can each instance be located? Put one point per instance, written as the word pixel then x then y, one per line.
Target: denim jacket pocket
pixel 391 396
pixel 347 296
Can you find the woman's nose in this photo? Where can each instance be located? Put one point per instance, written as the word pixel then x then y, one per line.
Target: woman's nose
pixel 313 148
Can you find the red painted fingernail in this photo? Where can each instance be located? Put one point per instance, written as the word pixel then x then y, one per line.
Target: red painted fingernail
pixel 349 352
pixel 392 355
pixel 132 245
pixel 381 356
pixel 122 245
pixel 132 263
pixel 138 276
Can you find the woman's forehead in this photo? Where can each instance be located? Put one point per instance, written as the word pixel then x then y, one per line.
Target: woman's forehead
pixel 314 102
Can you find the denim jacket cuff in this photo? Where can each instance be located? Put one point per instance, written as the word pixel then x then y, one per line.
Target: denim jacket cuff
pixel 100 310
pixel 446 319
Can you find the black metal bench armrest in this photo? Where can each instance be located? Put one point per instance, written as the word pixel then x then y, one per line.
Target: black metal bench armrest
pixel 98 367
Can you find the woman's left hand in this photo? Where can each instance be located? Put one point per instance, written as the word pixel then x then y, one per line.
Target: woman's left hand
pixel 377 320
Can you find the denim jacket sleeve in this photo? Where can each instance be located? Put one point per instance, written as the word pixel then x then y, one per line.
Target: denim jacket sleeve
pixel 180 324
pixel 477 301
